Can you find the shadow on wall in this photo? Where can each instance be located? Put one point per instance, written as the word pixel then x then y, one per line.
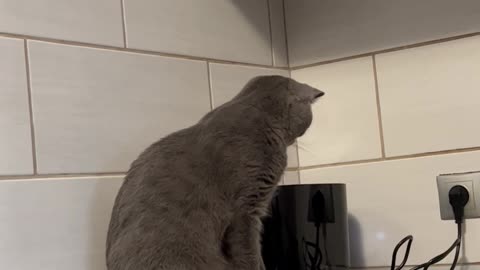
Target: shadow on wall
pixel 357 254
pixel 261 22
pixel 100 206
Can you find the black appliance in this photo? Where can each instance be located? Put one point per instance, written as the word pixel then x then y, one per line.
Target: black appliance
pixel 307 228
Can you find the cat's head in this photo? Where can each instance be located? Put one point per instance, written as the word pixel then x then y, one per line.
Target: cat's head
pixel 286 101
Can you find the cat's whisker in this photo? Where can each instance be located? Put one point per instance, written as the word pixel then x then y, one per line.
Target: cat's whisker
pixel 304 147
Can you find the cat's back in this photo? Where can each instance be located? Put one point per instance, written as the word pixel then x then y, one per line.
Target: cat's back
pixel 175 198
pixel 164 206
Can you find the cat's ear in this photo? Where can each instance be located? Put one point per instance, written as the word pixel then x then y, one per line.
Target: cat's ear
pixel 317 94
pixel 263 83
pixel 304 91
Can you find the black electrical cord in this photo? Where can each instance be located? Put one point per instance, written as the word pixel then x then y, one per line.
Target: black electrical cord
pixel 313 259
pixel 436 259
pixel 442 256
pixel 458 197
pixel 457 250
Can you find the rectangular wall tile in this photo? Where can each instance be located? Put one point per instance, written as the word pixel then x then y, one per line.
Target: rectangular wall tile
pixel 279 39
pixel 345 121
pixel 227 81
pixel 429 97
pixel 219 29
pixel 390 200
pixel 89 21
pixel 15 138
pixel 292 153
pixel 323 30
pixel 55 223
pixel 96 110
pixel 291 178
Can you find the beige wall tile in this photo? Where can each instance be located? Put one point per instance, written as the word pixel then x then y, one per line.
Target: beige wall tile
pixel 430 97
pixel 15 138
pixel 279 39
pixel 291 178
pixel 323 30
pixel 390 200
pixel 96 110
pixel 89 21
pixel 228 30
pixel 345 121
pixel 55 223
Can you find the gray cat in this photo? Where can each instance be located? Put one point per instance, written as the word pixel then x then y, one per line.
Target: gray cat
pixel 194 200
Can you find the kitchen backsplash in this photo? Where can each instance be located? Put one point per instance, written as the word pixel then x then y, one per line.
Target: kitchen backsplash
pixel 86 85
pixel 401 107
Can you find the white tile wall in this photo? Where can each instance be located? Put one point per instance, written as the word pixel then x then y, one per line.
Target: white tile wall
pixel 15 138
pixel 227 81
pixel 291 178
pixel 389 200
pixel 55 223
pixel 279 39
pixel 323 30
pixel 292 153
pixel 90 21
pixel 95 110
pixel 345 123
pixel 429 97
pixel 229 30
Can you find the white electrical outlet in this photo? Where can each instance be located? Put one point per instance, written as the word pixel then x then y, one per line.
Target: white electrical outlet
pixel 471 181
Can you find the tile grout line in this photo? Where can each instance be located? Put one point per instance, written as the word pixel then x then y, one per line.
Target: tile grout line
pixel 124 23
pixel 30 107
pixel 136 51
pixel 298 160
pixel 393 49
pixel 56 176
pixel 297 150
pixel 286 37
pixel 270 30
pixel 210 88
pixel 435 153
pixel 379 108
pixel 346 163
pixel 321 166
pixel 25 38
pixel 393 158
pixel 298 175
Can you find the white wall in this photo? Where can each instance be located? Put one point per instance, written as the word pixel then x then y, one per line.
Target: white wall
pixel 323 30
pixel 390 121
pixel 86 85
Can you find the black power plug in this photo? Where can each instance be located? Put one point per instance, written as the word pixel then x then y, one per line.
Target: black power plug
pixel 458 197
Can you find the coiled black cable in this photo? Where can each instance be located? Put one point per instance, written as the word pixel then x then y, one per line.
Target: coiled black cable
pixel 409 239
pixel 458 197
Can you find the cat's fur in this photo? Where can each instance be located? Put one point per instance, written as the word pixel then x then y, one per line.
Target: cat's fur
pixel 193 200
